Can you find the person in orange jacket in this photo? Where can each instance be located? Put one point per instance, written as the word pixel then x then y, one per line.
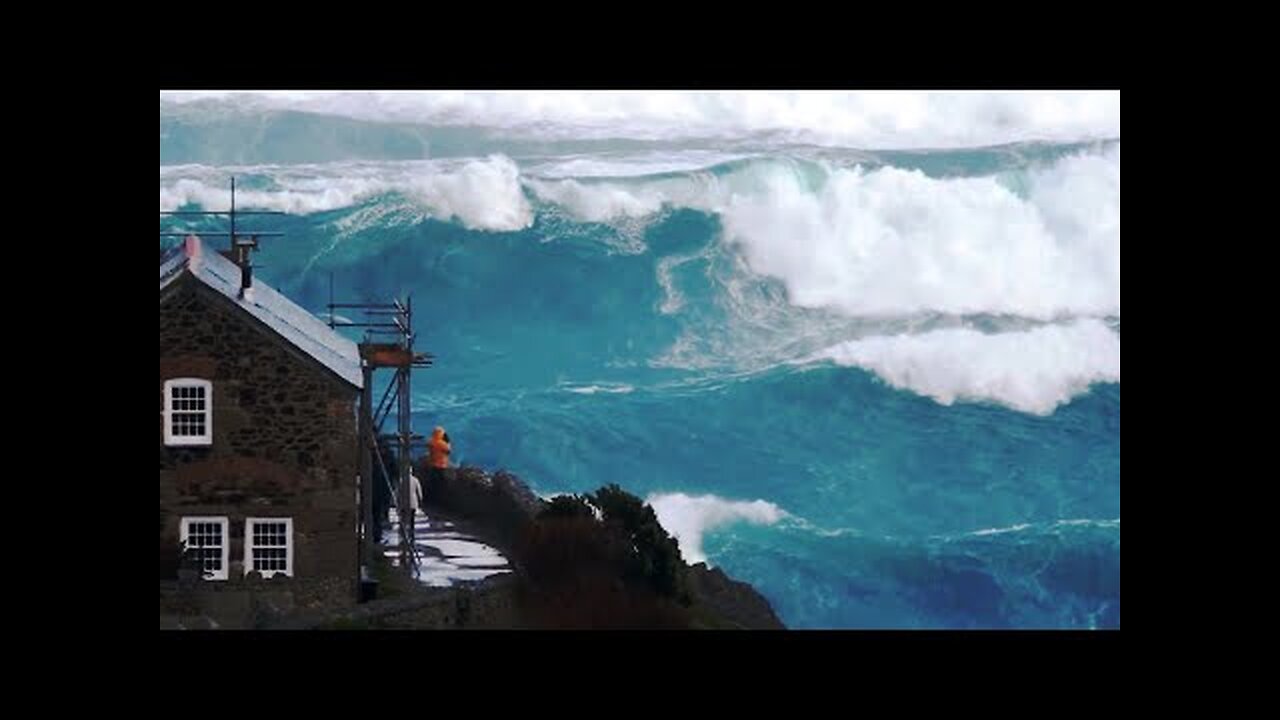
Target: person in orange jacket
pixel 438 450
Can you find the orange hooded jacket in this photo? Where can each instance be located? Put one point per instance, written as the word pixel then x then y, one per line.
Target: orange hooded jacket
pixel 438 450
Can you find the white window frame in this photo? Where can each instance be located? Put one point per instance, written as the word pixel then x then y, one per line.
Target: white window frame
pixel 248 545
pixel 185 440
pixel 226 542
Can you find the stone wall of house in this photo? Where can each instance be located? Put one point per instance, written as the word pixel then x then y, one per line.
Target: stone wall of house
pixel 284 445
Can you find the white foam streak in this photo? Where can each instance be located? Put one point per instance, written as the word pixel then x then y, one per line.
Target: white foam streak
pixel 689 518
pixel 608 389
pixel 1033 371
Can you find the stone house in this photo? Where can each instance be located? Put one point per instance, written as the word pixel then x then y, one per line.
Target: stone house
pixel 258 445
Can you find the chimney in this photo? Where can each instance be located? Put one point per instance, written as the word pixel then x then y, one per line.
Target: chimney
pixel 241 250
pixel 246 267
pixel 239 254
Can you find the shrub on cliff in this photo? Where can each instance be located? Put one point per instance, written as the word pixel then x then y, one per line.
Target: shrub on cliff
pixel 567 506
pixel 655 557
pixel 608 528
pixel 578 572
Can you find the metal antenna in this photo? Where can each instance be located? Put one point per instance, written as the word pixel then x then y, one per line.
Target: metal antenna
pixel 240 246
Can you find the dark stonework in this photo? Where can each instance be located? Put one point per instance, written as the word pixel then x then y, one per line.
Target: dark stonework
pixel 284 445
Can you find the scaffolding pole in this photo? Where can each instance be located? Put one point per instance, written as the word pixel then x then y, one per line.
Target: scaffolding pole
pixel 397 354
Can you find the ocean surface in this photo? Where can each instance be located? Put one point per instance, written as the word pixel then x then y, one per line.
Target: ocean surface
pixel 861 351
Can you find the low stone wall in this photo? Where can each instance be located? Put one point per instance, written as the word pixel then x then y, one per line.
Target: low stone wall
pixel 490 604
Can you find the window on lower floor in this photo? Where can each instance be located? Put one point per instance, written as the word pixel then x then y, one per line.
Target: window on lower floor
pixel 205 538
pixel 268 546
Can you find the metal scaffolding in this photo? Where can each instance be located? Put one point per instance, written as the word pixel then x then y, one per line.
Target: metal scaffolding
pixel 388 343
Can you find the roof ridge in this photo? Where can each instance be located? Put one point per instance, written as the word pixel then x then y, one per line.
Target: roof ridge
pixel 292 322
